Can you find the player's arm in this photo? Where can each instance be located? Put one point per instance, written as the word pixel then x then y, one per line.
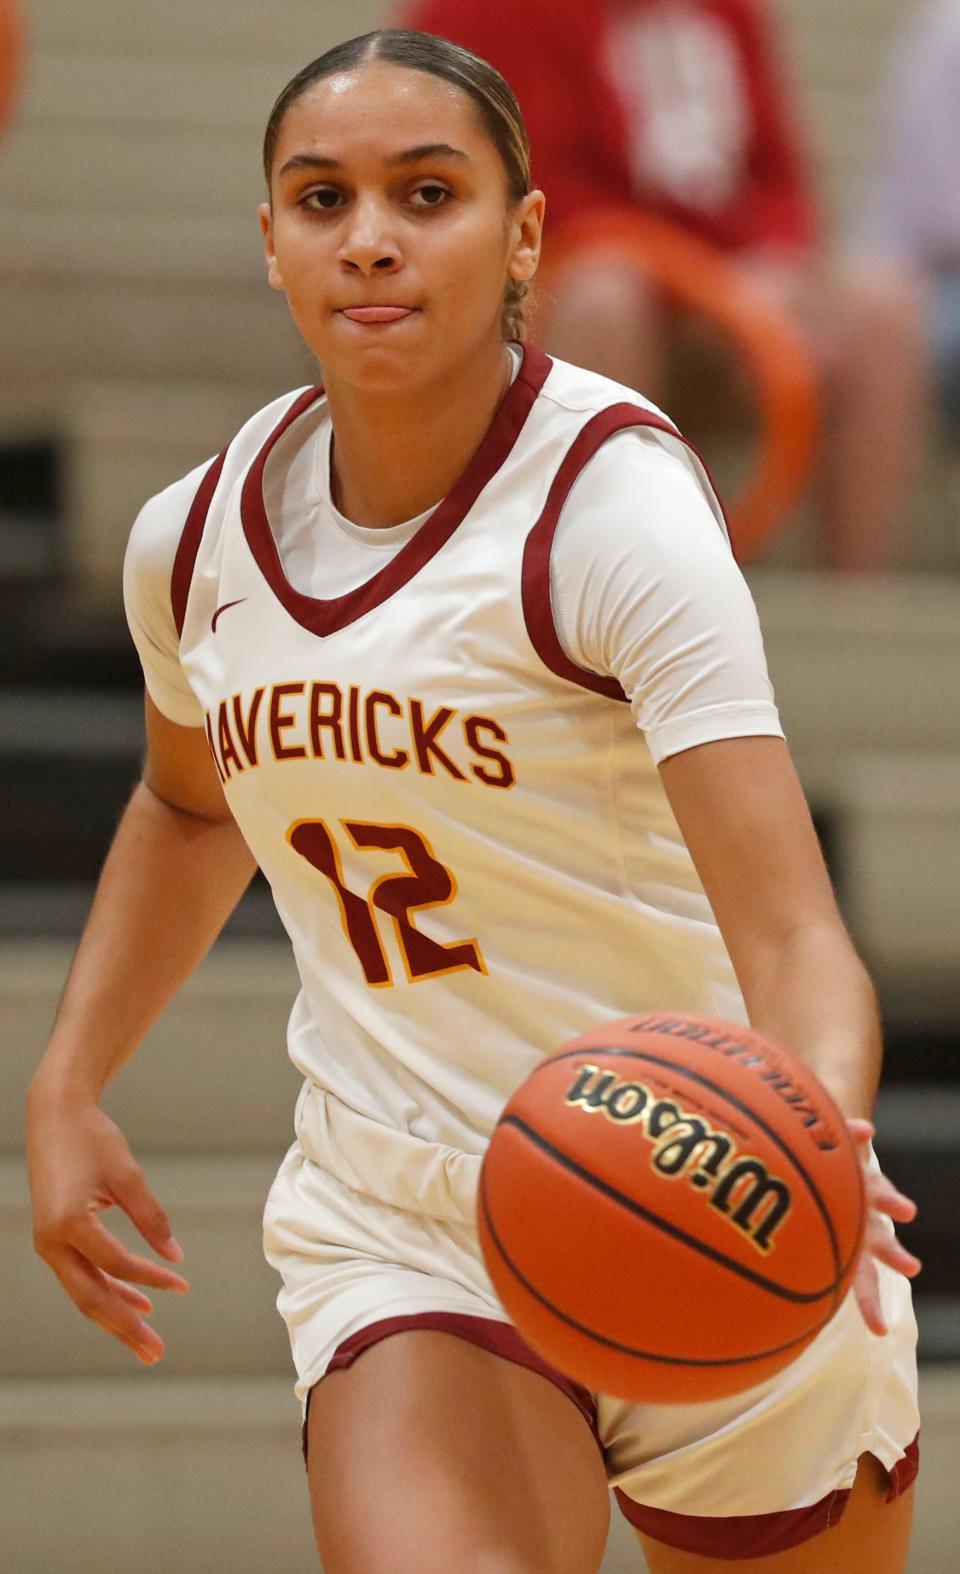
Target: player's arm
pixel 176 869
pixel 743 816
pixel 652 596
pixel 661 606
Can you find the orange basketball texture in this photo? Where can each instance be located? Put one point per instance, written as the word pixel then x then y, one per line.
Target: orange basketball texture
pixel 670 1208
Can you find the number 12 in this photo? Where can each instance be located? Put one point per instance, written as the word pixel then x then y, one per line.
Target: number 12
pixel 427 883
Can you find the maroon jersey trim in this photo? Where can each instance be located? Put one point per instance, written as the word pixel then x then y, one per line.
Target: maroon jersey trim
pixel 327 617
pixel 744 1536
pixel 535 583
pixel 189 543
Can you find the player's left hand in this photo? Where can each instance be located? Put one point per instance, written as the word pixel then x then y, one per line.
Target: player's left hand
pixel 880 1244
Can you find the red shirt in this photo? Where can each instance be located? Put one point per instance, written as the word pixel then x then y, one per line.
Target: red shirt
pixel 674 105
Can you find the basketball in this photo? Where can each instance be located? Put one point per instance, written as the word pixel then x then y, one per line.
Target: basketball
pixel 670 1208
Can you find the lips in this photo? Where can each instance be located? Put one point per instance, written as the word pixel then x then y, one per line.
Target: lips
pixel 377 313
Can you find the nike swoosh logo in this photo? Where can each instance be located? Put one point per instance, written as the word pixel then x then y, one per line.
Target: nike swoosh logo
pixel 225 608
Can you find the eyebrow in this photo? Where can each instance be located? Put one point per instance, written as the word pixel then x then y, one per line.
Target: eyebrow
pixel 431 150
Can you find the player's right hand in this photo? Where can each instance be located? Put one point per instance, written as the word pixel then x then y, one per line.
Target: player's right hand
pixel 79 1164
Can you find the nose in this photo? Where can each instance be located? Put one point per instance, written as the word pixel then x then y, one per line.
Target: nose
pixel 368 246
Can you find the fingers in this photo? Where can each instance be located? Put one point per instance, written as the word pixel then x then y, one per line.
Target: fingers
pixel 885 1203
pixel 884 1246
pixel 880 1246
pixel 885 1198
pixel 896 1256
pixel 94 1168
pixel 111 1306
pixel 882 1195
pixel 866 1288
pixel 94 1242
pixel 861 1131
pixel 135 1198
pixel 128 1293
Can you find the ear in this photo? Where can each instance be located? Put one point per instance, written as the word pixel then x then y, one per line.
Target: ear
pixel 265 215
pixel 526 236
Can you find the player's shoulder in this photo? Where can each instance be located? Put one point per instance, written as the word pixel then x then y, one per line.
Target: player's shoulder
pixel 651 435
pixel 651 447
pixel 644 469
pixel 582 392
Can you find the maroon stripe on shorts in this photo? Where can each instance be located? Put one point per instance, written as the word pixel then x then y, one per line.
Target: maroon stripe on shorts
pixel 904 1472
pixel 499 1338
pixel 755 1535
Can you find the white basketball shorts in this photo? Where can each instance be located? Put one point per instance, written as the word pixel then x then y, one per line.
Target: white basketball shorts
pixel 372 1232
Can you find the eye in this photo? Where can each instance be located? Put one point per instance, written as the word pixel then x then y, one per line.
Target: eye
pixel 434 196
pixel 322 198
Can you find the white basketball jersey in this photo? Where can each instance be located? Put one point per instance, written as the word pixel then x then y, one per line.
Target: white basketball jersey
pixel 464 832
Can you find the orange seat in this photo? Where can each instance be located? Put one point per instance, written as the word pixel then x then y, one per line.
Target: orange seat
pixel 698 279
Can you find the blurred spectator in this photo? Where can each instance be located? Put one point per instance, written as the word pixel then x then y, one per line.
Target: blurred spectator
pixel 678 107
pixel 916 213
pixel 11 49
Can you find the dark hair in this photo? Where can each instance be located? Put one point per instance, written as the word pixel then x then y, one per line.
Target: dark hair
pixel 491 93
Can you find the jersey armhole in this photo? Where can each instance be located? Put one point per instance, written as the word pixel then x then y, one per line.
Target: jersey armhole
pixel 535 576
pixel 190 538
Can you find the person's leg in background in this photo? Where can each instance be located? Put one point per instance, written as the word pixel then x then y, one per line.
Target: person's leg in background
pixel 877 385
pixel 869 332
pixel 600 313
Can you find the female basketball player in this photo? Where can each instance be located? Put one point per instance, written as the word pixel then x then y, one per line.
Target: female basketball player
pixel 416 645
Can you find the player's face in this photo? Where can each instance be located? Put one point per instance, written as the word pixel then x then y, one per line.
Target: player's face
pixel 387 192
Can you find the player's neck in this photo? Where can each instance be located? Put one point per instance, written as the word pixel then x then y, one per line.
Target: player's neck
pixel 397 454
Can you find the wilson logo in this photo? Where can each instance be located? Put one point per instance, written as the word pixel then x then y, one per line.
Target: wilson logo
pixel 684 1147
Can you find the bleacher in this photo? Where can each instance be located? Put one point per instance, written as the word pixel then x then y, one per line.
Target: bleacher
pixel 135 327
pixel 136 331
